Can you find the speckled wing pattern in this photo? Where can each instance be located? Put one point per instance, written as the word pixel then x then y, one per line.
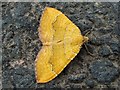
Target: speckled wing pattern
pixel 61 41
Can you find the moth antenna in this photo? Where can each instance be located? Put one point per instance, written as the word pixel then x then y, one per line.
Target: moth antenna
pixel 88 32
pixel 91 54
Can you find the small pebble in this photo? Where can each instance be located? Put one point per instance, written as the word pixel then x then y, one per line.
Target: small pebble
pixel 100 40
pixel 76 78
pixel 115 47
pixel 23 77
pixel 104 71
pixel 104 51
pixel 90 83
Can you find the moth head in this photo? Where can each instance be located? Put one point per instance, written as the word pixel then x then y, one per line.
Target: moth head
pixel 85 39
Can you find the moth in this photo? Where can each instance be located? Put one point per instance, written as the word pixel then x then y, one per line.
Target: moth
pixel 61 42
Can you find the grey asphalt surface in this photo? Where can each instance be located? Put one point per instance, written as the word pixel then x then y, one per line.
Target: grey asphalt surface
pixel 20 45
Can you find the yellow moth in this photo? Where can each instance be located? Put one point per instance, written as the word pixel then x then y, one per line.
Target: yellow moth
pixel 61 41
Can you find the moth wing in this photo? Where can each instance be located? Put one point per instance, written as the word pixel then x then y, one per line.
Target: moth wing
pixel 46 29
pixel 43 68
pixel 71 40
pixel 66 41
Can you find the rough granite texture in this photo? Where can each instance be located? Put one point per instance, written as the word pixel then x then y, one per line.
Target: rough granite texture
pixel 20 45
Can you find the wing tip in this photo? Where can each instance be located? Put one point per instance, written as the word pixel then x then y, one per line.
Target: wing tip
pixel 40 81
pixel 51 9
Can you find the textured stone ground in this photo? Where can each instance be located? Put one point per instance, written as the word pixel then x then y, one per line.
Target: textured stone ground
pixel 21 45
